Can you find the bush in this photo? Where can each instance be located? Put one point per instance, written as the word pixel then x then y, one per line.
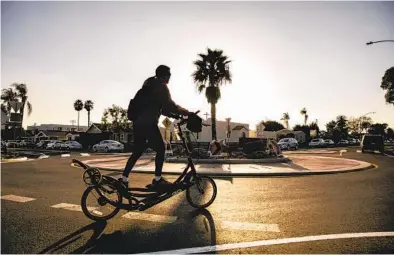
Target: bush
pixel 257 155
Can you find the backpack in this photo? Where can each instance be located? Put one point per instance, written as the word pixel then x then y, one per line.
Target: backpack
pixel 136 104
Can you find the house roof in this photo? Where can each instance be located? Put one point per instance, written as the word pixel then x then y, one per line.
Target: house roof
pixel 74 132
pixel 240 127
pixel 54 133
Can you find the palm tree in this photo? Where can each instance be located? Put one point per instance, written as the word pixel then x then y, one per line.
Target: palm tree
pixel 88 107
pixel 286 118
pixel 78 106
pixel 303 112
pixel 388 85
pixel 21 92
pixel 212 72
pixel 7 95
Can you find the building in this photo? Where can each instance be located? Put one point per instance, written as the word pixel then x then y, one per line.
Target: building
pixel 57 127
pixel 237 130
pixel 298 135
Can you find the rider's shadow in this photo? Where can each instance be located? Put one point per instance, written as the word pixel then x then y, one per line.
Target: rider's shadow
pixel 197 228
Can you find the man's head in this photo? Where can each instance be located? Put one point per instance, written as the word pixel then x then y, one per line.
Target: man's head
pixel 163 73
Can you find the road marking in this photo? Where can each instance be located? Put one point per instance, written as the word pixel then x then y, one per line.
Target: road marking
pixel 72 207
pixel 43 156
pixel 150 217
pixel 342 151
pixel 249 226
pixel 65 155
pixel 358 151
pixel 85 154
pixel 268 242
pixel 17 198
pixel 389 155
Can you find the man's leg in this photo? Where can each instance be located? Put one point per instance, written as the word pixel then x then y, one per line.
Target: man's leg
pixel 139 149
pixel 156 142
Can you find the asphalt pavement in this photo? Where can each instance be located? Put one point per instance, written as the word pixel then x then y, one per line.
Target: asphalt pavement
pixel 337 213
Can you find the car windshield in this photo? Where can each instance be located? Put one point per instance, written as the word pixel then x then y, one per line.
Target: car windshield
pixel 284 140
pixel 315 140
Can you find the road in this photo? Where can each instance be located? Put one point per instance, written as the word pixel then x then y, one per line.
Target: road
pixel 246 213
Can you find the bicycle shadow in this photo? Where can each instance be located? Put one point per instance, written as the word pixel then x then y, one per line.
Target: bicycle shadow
pixel 97 227
pixel 169 237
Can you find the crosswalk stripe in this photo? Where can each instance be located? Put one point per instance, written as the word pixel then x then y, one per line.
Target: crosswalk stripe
pixel 150 217
pixel 65 155
pixel 72 207
pixel 85 154
pixel 17 198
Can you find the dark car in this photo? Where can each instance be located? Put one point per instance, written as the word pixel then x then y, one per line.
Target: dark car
pixel 372 143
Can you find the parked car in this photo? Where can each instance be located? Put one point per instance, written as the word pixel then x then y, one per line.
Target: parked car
pixel 318 142
pixel 54 145
pixel 72 145
pixel 372 142
pixel 108 145
pixel 287 143
pixel 43 144
pixel 343 143
pixel 352 141
pixel 329 142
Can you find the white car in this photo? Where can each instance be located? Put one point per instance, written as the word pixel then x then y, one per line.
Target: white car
pixel 329 142
pixel 108 145
pixel 287 143
pixel 352 141
pixel 318 142
pixel 72 145
pixel 343 142
pixel 55 145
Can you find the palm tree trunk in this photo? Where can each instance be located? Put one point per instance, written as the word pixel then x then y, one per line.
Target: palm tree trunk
pixel 78 122
pixel 213 118
pixel 88 118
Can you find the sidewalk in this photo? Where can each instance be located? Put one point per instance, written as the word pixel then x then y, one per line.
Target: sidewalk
pixel 299 165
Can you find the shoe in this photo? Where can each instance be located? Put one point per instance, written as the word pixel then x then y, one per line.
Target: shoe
pixel 124 184
pixel 161 183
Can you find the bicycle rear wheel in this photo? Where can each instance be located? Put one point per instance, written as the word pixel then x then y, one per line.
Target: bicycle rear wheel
pixel 95 202
pixel 202 193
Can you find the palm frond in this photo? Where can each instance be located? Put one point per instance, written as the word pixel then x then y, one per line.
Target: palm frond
pixel 29 108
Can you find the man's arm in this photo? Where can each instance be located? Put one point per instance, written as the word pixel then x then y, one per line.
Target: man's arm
pixel 162 94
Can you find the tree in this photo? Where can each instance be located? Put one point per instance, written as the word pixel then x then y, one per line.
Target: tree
pixel 78 106
pixel 286 118
pixel 304 112
pixel 390 133
pixel 314 126
pixel 388 85
pixel 378 129
pixel 365 122
pixel 115 119
pixel 304 128
pixel 271 125
pixel 88 107
pixel 354 124
pixel 212 72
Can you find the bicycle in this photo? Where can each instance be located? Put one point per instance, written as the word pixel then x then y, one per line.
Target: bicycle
pixel 143 198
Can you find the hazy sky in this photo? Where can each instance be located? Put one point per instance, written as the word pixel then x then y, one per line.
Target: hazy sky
pixel 286 56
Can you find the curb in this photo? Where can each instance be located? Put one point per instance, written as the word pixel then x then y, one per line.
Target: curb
pixel 230 161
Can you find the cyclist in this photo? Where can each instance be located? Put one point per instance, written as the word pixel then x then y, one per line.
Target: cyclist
pixel 146 124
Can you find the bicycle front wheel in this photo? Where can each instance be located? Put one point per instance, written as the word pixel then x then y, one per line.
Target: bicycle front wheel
pixel 202 193
pixel 95 202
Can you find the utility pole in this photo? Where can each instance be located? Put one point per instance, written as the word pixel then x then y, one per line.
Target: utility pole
pixel 206 115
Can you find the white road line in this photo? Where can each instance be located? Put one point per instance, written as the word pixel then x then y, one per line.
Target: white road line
pixel 17 198
pixel 342 151
pixel 150 217
pixel 231 246
pixel 358 151
pixel 72 207
pixel 248 226
pixel 43 156
pixel 65 155
pixel 85 154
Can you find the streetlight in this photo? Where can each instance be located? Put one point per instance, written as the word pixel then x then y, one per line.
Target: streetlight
pixel 372 42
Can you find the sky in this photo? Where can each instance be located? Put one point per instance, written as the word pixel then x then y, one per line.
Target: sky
pixel 286 56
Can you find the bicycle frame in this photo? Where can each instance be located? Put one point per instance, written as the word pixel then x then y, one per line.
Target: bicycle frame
pixel 150 197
